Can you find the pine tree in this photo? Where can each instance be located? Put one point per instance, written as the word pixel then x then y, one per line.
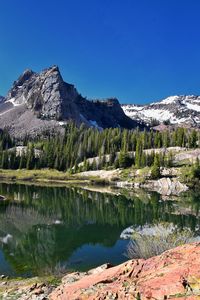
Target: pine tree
pixel 4 160
pixel 193 139
pixel 169 159
pixel 75 167
pixel 30 163
pixel 94 165
pixel 155 170
pixel 196 169
pixel 22 163
pixel 138 153
pixel 124 160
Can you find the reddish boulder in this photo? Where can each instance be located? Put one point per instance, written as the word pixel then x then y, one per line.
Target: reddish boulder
pixel 175 274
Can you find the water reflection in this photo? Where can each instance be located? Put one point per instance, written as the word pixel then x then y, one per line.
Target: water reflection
pixel 45 229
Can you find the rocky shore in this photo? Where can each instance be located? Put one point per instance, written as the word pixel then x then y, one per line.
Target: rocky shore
pixel 26 289
pixel 175 274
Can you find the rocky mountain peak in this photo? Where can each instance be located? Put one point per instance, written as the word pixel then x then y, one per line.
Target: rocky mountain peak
pixel 43 92
pixel 35 99
pixel 50 97
pixel 26 74
pixel 52 71
pixel 19 82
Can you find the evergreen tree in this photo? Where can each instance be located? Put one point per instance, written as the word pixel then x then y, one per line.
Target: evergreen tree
pixel 196 169
pixel 30 163
pixel 138 153
pixel 22 163
pixel 5 160
pixel 193 139
pixel 155 170
pixel 62 152
pixel 124 160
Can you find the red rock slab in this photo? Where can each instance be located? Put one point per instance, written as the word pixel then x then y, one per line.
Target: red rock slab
pixel 175 274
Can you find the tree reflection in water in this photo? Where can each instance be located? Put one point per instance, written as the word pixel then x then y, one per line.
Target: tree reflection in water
pixel 48 225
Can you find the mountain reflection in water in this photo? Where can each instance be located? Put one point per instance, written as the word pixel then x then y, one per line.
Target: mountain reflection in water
pixel 51 229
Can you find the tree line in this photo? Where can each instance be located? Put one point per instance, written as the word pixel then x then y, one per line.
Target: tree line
pixel 113 146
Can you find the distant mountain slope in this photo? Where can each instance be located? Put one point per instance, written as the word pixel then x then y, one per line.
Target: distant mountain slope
pixel 39 102
pixel 179 110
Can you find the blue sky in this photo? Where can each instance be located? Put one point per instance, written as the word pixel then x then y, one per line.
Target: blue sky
pixel 136 50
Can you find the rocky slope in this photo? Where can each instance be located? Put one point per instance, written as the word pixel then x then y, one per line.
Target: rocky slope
pixel 38 102
pixel 35 288
pixel 179 110
pixel 175 274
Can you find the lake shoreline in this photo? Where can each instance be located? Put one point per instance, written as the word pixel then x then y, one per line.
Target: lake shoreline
pixel 27 212
pixel 129 179
pixel 129 278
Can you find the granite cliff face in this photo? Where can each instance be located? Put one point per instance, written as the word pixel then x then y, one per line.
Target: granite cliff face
pixel 41 101
pixel 46 94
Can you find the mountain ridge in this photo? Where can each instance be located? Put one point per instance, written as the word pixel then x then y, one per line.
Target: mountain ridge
pixel 181 110
pixel 39 102
pixel 44 102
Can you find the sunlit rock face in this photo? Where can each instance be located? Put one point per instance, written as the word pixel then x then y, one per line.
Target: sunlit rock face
pixel 43 101
pixel 173 274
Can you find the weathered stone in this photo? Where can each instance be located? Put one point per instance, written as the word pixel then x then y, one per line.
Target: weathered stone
pixel 166 186
pixel 175 273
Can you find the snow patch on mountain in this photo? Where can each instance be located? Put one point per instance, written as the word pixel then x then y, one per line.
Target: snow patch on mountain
pixel 168 100
pixel 13 101
pixel 193 106
pixel 157 114
pixel 149 114
pixel 182 110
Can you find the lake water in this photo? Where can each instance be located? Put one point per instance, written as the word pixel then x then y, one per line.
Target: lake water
pixel 47 230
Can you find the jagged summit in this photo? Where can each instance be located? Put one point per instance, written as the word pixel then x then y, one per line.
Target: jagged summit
pixel 38 101
pixel 39 92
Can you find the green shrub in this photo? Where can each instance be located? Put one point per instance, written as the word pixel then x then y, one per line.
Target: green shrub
pixel 191 173
pixel 164 237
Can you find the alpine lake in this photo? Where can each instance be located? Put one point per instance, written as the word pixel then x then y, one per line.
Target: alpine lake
pixel 52 229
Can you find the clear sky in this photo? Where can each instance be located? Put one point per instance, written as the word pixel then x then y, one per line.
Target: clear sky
pixel 135 50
